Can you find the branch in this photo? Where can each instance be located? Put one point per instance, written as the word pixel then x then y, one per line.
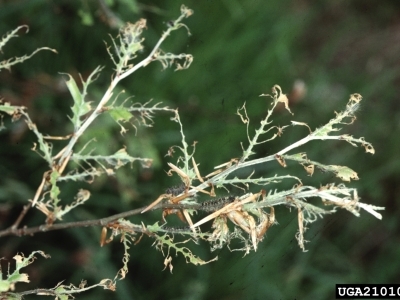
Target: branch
pixel 99 222
pixel 116 79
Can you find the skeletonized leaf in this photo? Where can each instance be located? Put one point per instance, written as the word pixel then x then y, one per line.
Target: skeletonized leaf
pixel 10 109
pixel 281 97
pixel 309 169
pixel 344 173
pixel 120 114
pixel 20 262
pixel 80 107
pixel 301 124
pixel 280 160
pixel 6 64
pixel 55 190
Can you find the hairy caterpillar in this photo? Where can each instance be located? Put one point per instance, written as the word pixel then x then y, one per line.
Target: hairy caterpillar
pixel 177 229
pixel 175 190
pixel 216 204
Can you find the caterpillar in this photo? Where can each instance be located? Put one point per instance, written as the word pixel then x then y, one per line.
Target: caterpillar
pixel 177 229
pixel 175 190
pixel 216 204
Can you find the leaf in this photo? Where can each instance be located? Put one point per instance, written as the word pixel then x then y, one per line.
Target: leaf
pixel 120 114
pixel 368 147
pixel 280 160
pixel 298 156
pixel 80 107
pixel 281 97
pixel 10 109
pixel 6 64
pixel 81 197
pixel 344 173
pixel 16 112
pixel 55 190
pixel 45 148
pixel 168 263
pixel 16 276
pixel 4 285
pixel 309 169
pixel 120 158
pixel 301 124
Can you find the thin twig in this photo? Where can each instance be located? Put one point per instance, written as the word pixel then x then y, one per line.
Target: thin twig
pixel 21 216
pixel 106 97
pixel 98 222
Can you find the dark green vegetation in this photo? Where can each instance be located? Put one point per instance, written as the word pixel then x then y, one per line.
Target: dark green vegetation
pixel 240 51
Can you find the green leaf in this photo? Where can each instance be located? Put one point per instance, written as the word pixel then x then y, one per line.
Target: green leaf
pixel 55 190
pixel 80 107
pixel 4 285
pixel 10 109
pixel 344 173
pixel 120 114
pixel 45 148
pixel 16 276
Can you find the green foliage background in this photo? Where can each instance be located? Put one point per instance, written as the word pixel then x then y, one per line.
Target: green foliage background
pixel 241 49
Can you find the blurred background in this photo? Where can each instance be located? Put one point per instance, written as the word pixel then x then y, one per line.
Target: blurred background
pixel 319 52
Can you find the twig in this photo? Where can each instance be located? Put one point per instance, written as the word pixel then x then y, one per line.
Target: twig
pixel 99 222
pixel 118 77
pixel 21 216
